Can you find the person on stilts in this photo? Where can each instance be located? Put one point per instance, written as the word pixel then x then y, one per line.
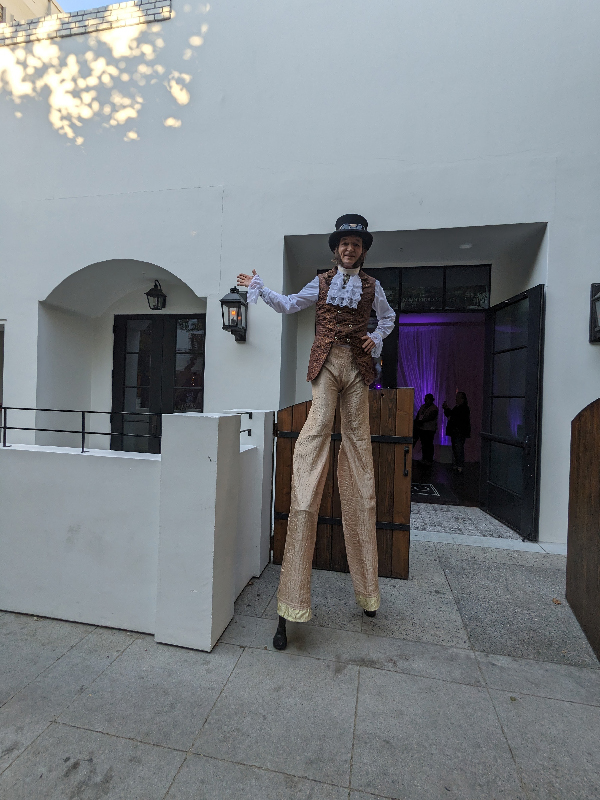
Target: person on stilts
pixel 341 363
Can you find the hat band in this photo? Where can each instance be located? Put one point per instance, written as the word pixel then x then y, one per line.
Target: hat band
pixel 352 226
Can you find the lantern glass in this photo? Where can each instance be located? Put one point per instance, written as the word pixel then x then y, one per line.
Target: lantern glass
pixel 157 299
pixel 233 311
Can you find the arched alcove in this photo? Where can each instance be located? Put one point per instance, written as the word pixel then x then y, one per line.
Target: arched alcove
pixel 75 339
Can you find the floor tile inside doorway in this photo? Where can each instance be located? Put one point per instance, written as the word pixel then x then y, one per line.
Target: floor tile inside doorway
pixel 457 519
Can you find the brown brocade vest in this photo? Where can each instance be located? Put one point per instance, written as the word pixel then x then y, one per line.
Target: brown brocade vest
pixel 344 325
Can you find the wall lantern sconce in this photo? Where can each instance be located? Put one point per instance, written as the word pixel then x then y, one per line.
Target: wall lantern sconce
pixel 234 308
pixel 595 313
pixel 157 299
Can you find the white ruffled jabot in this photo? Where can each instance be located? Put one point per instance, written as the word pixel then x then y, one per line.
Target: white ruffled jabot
pixel 348 295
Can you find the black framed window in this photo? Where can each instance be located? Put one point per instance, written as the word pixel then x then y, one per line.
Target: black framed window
pixel 453 288
pixel 158 368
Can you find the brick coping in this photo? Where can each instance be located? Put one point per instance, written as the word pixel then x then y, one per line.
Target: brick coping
pixel 74 23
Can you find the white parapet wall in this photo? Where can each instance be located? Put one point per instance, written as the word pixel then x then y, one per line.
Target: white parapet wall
pixel 143 542
pixel 255 496
pixel 79 535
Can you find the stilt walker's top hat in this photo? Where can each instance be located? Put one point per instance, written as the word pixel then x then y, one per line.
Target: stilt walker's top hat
pixel 351 225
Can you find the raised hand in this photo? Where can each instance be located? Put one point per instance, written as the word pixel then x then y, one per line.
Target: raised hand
pixel 243 279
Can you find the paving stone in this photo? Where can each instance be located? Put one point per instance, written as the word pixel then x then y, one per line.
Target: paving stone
pixel 285 713
pixel 32 709
pixel 29 644
pixel 249 632
pixel 425 572
pixel 70 764
pixel 255 598
pixel 203 778
pixel 350 647
pixel 506 601
pixel 333 602
pixel 559 681
pixel 408 612
pixel 362 796
pixel 417 740
pixel 155 693
pixel 555 745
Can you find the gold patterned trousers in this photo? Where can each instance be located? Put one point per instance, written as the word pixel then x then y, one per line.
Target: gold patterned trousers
pixel 356 482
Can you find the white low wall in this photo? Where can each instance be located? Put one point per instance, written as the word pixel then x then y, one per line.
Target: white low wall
pixel 79 535
pixel 159 544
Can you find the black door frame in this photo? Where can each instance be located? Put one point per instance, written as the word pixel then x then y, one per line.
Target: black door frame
pixel 529 500
pixel 162 387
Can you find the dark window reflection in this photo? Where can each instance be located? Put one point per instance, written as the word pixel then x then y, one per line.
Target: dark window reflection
pixel 190 336
pixel 189 365
pixel 423 289
pixel 508 417
pixel 445 288
pixel 467 288
pixel 509 373
pixel 506 467
pixel 510 329
pixel 138 335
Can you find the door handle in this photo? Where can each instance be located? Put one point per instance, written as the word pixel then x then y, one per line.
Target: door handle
pixel 406 452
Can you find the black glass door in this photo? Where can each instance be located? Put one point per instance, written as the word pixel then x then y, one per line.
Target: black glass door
pixel 512 411
pixel 158 368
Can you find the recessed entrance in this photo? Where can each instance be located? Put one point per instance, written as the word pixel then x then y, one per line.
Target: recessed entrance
pixel 452 288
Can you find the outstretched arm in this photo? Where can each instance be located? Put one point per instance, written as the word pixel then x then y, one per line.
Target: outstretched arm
pixel 284 304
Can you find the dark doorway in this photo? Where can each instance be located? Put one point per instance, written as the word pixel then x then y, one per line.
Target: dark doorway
pixel 158 368
pixel 441 354
pixel 512 411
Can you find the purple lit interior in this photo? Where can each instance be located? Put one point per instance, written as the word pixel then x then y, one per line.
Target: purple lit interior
pixel 442 354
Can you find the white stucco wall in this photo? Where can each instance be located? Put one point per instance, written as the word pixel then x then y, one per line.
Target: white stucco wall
pixel 80 535
pixel 155 543
pixel 278 117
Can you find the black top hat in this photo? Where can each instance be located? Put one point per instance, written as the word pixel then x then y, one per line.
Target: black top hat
pixel 351 225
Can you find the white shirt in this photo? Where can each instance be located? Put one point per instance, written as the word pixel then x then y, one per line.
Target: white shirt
pixel 291 303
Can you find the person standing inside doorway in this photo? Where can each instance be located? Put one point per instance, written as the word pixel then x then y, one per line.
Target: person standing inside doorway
pixel 425 426
pixel 341 363
pixel 458 428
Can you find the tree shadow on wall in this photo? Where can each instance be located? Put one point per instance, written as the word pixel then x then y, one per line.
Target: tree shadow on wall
pixel 104 85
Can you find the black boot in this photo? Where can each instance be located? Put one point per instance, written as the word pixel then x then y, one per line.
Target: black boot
pixel 370 613
pixel 280 638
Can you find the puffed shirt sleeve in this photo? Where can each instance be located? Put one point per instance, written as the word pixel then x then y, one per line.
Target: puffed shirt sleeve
pixel 386 318
pixel 282 303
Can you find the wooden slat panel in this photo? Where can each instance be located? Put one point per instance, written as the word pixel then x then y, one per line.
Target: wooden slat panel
pixel 279 534
pixel 400 555
pixel 583 542
pixel 283 482
pixel 299 414
pixel 404 423
pixel 402 484
pixel 283 471
pixel 390 412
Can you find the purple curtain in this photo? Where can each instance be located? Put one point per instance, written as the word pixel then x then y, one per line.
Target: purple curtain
pixel 443 354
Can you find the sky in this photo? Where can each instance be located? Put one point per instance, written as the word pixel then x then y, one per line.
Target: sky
pixel 79 5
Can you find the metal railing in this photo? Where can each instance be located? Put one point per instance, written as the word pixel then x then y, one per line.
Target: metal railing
pixel 82 431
